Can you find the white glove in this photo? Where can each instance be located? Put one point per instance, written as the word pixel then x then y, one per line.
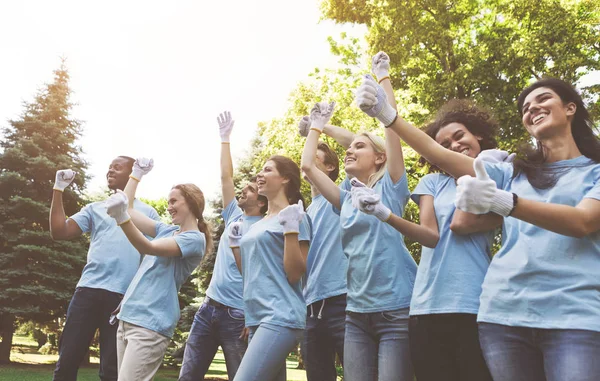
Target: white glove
pixel 225 126
pixel 141 167
pixel 235 234
pixel 368 201
pixel 290 218
pixel 497 156
pixel 380 65
pixel 479 195
pixel 63 178
pixel 371 98
pixel 304 126
pixel 320 115
pixel 116 207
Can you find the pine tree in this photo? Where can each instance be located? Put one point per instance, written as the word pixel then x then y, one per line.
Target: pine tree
pixel 38 275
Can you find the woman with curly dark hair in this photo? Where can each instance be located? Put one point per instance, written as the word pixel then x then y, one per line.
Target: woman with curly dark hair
pixel 443 311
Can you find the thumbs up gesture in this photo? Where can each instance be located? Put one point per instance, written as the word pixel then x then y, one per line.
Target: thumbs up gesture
pixel 479 195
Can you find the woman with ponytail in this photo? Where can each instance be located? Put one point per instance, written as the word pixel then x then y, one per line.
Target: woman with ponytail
pixel 273 256
pixel 150 308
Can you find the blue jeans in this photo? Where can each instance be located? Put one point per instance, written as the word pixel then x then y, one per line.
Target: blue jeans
pixel 213 327
pixel 268 347
pixel 376 347
pixel 90 309
pixel 532 354
pixel 324 337
pixel 446 347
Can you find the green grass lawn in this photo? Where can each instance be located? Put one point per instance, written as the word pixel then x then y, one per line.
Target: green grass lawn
pixel 29 365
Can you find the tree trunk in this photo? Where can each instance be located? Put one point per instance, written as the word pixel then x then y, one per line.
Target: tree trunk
pixel 7 329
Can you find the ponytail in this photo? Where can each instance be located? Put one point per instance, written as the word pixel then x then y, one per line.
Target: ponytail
pixel 206 228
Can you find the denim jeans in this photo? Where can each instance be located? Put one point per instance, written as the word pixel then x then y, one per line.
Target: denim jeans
pixel 376 347
pixel 90 309
pixel 213 327
pixel 446 347
pixel 533 354
pixel 324 337
pixel 268 347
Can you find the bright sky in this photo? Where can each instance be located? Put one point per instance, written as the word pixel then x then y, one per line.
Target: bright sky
pixel 151 77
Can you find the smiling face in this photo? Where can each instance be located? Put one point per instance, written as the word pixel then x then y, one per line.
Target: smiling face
pixel 456 137
pixel 249 196
pixel 545 114
pixel 361 158
pixel 269 181
pixel 177 207
pixel 118 173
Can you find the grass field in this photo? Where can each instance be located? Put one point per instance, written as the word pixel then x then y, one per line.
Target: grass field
pixel 29 365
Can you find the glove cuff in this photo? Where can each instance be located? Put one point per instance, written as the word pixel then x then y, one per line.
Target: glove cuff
pixel 56 187
pixel 123 219
pixel 225 139
pixel 291 227
pixel 383 213
pixel 135 176
pixel 387 115
pixel 502 203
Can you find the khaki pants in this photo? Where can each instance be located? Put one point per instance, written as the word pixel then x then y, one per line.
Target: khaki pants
pixel 139 352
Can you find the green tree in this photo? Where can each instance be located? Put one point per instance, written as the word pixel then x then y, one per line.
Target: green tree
pixel 485 50
pixel 38 275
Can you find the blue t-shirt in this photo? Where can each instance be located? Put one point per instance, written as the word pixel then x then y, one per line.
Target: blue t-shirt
pixel 111 261
pixel 381 272
pixel 226 286
pixel 542 279
pixel 268 296
pixel 450 275
pixel 151 299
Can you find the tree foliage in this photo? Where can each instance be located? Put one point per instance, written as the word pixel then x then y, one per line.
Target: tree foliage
pixel 37 274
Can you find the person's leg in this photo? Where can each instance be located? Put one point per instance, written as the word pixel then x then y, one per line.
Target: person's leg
pixel 201 346
pixel 570 354
pixel 144 352
pixel 391 327
pixel 268 348
pixel 432 347
pixel 79 330
pixel 318 350
pixel 121 345
pixel 231 324
pixel 336 324
pixel 108 337
pixel 511 353
pixel 471 364
pixel 360 348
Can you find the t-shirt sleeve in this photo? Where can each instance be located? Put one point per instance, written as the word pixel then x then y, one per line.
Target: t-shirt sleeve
pixel 427 187
pixel 501 173
pixel 345 185
pixel 191 244
pixel 231 212
pixel 395 195
pixel 343 195
pixel 594 192
pixel 152 213
pixel 83 218
pixel 305 229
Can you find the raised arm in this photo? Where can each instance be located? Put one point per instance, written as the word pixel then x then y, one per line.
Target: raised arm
pixel 141 167
pixel 61 227
pixel 342 136
pixel 372 99
pixel 295 252
pixel 320 114
pixel 227 188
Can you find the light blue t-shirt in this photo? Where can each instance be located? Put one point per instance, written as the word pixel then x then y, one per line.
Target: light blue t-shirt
pixel 542 279
pixel 327 265
pixel 226 286
pixel 151 299
pixel 381 272
pixel 268 296
pixel 450 275
pixel 111 260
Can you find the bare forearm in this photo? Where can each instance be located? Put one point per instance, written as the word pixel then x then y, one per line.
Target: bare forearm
pixel 294 263
pixel 419 233
pixel 130 190
pixel 58 218
pixel 464 223
pixel 227 186
pixel 342 136
pixel 136 238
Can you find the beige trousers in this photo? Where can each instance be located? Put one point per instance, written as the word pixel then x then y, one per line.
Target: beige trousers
pixel 140 352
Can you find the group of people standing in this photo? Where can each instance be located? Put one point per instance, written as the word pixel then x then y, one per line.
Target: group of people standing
pixel 338 275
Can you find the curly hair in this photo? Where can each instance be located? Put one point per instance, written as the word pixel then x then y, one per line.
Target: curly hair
pixel 478 120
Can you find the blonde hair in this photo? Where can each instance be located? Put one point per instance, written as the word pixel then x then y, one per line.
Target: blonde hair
pixel 378 145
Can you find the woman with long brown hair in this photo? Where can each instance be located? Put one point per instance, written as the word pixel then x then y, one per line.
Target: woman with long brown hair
pixel 150 308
